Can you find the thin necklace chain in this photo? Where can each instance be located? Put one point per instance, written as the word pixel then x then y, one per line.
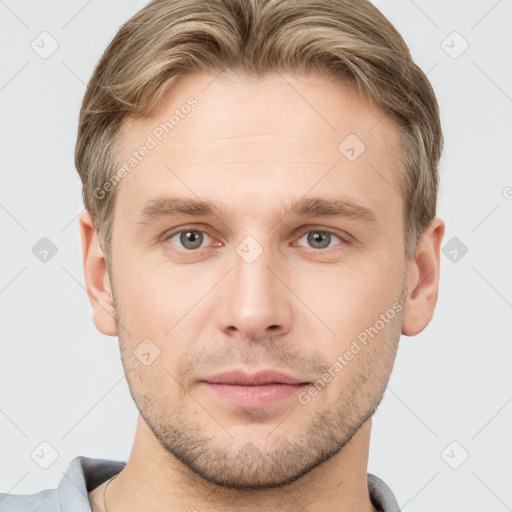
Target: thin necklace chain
pixel 105 492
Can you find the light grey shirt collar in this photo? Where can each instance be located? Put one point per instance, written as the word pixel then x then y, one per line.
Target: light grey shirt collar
pixel 85 474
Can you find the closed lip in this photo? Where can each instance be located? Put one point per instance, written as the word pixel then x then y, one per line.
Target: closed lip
pixel 260 378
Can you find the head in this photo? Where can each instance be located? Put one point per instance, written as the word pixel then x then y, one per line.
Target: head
pixel 260 179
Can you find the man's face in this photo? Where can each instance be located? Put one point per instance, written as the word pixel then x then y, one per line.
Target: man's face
pixel 266 286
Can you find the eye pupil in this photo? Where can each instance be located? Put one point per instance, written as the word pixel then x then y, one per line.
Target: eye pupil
pixel 317 239
pixel 191 239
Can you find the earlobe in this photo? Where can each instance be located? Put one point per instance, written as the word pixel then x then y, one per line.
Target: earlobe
pixel 423 280
pixel 97 280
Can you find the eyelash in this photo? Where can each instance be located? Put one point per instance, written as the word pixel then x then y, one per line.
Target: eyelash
pixel 344 239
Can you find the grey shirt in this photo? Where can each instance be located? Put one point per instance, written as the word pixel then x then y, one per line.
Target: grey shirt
pixel 85 474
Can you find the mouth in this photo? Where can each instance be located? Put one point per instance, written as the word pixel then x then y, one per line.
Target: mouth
pixel 261 389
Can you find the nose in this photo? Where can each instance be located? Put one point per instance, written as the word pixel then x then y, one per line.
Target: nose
pixel 254 301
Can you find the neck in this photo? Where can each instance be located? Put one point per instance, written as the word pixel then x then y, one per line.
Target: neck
pixel 155 480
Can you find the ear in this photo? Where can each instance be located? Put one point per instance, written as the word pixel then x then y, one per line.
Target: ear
pixel 97 280
pixel 423 280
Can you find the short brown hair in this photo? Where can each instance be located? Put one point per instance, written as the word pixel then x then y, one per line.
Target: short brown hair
pixel 350 40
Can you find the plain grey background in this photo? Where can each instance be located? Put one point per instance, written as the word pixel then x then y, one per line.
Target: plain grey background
pixel 442 435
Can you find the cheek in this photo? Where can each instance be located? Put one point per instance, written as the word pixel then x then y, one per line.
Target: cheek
pixel 160 312
pixel 152 386
pixel 348 298
pixel 152 300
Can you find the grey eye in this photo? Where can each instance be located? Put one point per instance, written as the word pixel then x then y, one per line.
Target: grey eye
pixel 190 239
pixel 320 239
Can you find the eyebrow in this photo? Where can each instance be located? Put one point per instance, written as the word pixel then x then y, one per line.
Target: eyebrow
pixel 312 207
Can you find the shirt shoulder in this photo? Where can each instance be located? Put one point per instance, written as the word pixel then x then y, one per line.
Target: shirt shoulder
pixel 71 495
pixel 43 501
pixel 381 495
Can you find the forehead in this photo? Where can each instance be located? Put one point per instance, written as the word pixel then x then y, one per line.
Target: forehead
pixel 231 133
pixel 311 107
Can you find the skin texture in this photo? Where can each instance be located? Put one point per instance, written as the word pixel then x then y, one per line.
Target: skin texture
pixel 254 146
